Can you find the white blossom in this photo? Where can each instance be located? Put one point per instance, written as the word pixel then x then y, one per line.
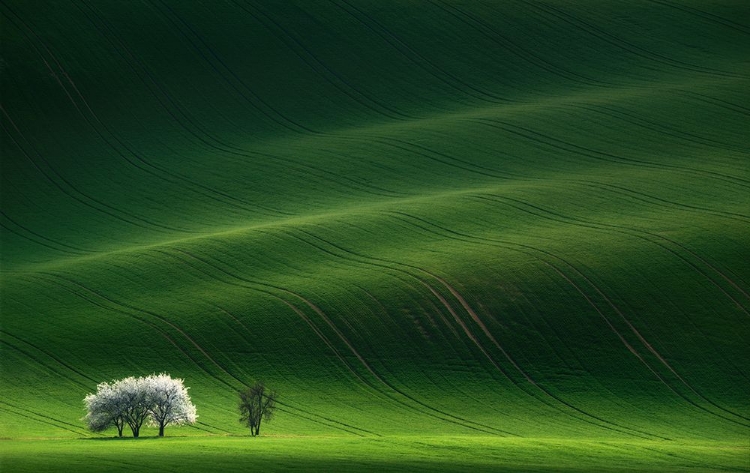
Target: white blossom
pixel 157 398
pixel 169 402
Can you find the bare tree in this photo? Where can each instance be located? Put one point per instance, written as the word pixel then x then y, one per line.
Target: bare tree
pixel 256 404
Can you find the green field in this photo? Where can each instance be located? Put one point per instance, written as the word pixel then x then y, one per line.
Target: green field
pixel 454 235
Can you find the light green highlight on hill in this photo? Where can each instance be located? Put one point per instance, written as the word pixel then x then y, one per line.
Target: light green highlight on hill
pixel 468 233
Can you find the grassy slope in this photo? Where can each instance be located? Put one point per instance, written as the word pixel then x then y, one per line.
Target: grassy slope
pixel 516 219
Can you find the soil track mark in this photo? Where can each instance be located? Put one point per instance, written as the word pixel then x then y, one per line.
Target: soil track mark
pixel 588 418
pixel 429 410
pixel 525 249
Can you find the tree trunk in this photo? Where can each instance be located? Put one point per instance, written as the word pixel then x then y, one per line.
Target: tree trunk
pixel 161 430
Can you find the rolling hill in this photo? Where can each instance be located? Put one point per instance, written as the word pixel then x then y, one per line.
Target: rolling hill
pixel 512 219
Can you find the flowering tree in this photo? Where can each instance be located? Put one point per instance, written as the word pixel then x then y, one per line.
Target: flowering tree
pixel 132 401
pixel 135 396
pixel 168 401
pixel 105 408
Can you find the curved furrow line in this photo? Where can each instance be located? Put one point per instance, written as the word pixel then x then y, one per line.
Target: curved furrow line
pixel 630 348
pixel 546 391
pixel 640 232
pixel 616 398
pixel 48 355
pixel 519 52
pixel 453 386
pixel 511 245
pixel 172 105
pixel 469 334
pixel 702 260
pixel 306 414
pixel 94 115
pixel 222 146
pixel 317 65
pixel 656 127
pixel 431 411
pixel 416 58
pixel 330 176
pixel 562 145
pixel 685 462
pixel 636 233
pixel 37 417
pixel 732 107
pixel 265 108
pixel 245 333
pixel 622 230
pixel 651 349
pixel 705 15
pixel 397 273
pixel 332 326
pixel 164 174
pixel 388 264
pixel 587 416
pixel 478 321
pixel 658 201
pixel 200 422
pixel 394 322
pixel 65 247
pixel 432 156
pixel 163 333
pixel 38 241
pixel 158 93
pixel 39 362
pixel 462 421
pixel 235 319
pixel 140 162
pixel 703 273
pixel 516 246
pixel 64 186
pixel 96 298
pixel 197 426
pixel 626 45
pixel 368 187
pixel 646 344
pixel 249 284
pixel 326 341
pixel 240 333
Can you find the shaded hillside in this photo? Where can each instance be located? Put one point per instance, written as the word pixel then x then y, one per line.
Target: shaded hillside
pixel 506 218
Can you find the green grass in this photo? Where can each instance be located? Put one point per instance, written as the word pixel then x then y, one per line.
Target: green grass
pixel 467 233
pixel 401 453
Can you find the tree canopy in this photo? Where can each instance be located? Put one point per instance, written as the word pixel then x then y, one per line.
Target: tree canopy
pixel 257 404
pixel 160 399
